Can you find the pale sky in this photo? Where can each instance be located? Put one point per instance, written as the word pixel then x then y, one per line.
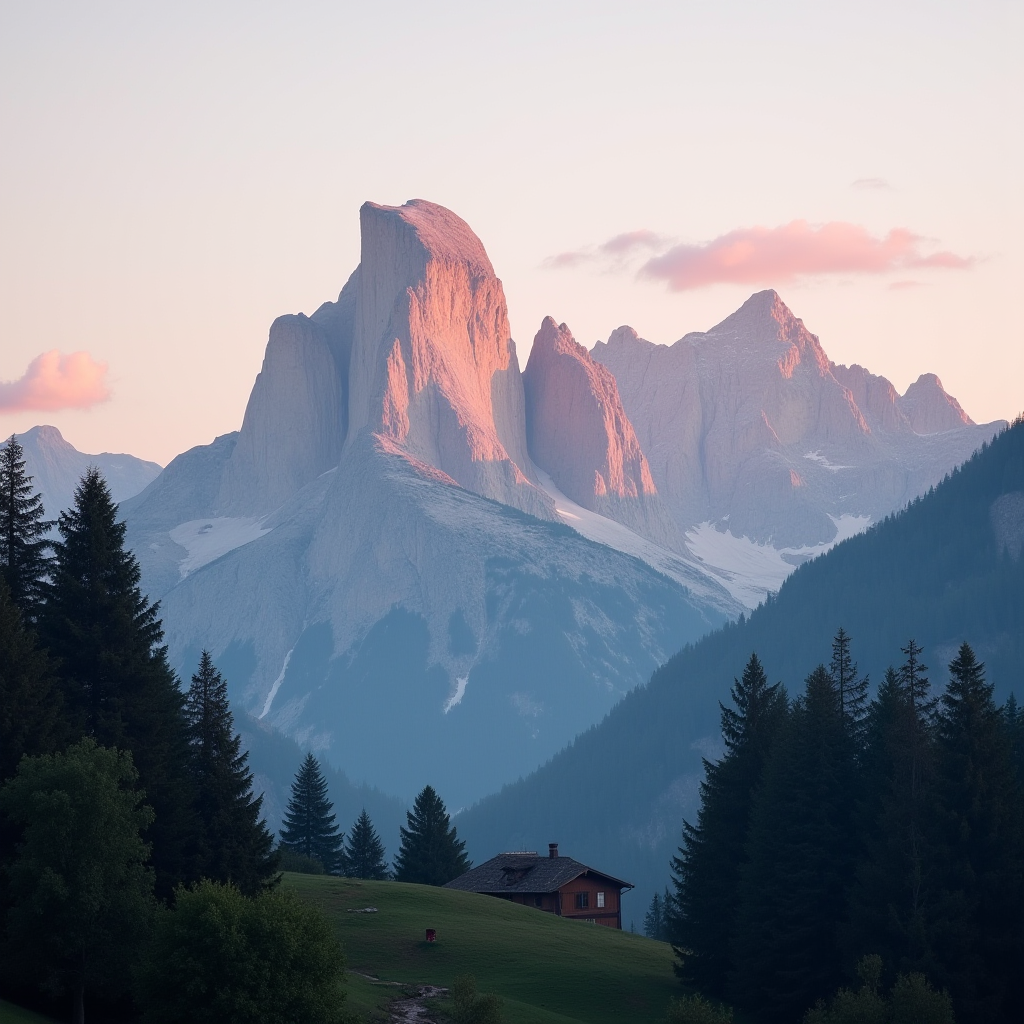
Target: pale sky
pixel 175 176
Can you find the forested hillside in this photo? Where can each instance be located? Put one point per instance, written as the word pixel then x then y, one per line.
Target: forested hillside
pixel 947 569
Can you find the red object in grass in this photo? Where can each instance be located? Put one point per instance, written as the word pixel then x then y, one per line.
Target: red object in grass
pixel 431 935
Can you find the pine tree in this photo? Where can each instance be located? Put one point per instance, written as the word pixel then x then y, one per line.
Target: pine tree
pixel 116 684
pixel 364 852
pixel 23 543
pixel 309 824
pixel 30 704
pixel 701 915
pixel 792 889
pixel 654 922
pixel 1013 715
pixel 430 852
pixel 976 910
pixel 889 893
pixel 233 843
pixel 852 692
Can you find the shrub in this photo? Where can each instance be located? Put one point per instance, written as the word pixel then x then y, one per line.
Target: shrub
pixel 470 1008
pixel 696 1009
pixel 223 958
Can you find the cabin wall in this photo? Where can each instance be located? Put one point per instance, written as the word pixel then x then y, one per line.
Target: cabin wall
pixel 609 915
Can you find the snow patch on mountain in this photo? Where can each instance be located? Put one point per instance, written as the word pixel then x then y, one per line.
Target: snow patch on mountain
pixel 750 570
pixel 702 583
pixel 209 539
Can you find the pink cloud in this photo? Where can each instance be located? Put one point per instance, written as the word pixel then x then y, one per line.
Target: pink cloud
pixel 798 249
pixel 55 381
pixel 630 240
pixel 617 248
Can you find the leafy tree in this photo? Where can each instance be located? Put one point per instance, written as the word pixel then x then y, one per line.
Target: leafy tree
pixel 706 873
pixel 30 721
pixel 308 826
pixel 912 1001
pixel 364 852
pixel 800 849
pixel 430 852
pixel 695 1009
pixel 82 895
pixel 233 841
pixel 23 544
pixel 866 1005
pixel 976 907
pixel 116 683
pixel 220 957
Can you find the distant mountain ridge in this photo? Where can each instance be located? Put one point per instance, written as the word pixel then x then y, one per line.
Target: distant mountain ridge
pixel 56 467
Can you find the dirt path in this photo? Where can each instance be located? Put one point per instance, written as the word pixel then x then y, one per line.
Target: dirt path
pixel 413 1010
pixel 410 1010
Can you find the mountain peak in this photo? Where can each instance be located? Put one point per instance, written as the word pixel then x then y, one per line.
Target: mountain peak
pixel 930 408
pixel 580 434
pixel 442 234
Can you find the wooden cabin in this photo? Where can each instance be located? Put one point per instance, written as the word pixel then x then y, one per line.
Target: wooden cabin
pixel 557 885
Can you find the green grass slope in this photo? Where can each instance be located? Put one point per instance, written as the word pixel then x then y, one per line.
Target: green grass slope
pixel 548 970
pixel 12 1014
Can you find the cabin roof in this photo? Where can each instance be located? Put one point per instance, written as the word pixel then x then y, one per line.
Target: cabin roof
pixel 527 873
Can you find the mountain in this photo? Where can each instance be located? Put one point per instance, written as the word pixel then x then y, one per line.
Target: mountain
pixel 579 433
pixel 765 452
pixel 375 561
pixel 948 568
pixel 56 467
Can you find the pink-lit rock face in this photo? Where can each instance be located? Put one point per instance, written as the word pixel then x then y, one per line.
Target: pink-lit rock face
pixel 433 367
pixel 877 399
pixel 576 426
pixel 580 435
pixel 930 409
pixel 732 418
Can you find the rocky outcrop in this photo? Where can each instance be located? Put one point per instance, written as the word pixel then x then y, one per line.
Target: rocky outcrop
pixel 580 435
pixel 750 426
pixel 434 373
pixel 930 409
pixel 294 424
pixel 877 399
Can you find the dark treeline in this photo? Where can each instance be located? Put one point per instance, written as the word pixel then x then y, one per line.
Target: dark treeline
pixel 130 834
pixel 838 838
pixel 118 790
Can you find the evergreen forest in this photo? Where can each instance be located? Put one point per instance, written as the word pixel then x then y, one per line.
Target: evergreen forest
pixel 839 839
pixel 947 569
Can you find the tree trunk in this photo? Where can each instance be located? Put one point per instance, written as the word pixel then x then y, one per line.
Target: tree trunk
pixel 78 1017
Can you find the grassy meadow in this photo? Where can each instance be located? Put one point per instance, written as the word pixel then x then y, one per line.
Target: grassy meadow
pixel 547 970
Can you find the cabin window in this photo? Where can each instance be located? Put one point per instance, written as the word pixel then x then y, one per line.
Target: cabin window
pixel 538 901
pixel 582 900
pixel 600 900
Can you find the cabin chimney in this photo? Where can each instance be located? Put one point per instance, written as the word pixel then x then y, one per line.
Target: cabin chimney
pixel 552 850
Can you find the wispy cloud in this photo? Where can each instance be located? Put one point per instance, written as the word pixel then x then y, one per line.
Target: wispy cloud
pixel 795 250
pixel 56 381
pixel 870 183
pixel 898 286
pixel 617 249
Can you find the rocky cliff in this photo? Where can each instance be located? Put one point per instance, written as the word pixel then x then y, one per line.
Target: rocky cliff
pixel 751 430
pixel 580 435
pixel 373 559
